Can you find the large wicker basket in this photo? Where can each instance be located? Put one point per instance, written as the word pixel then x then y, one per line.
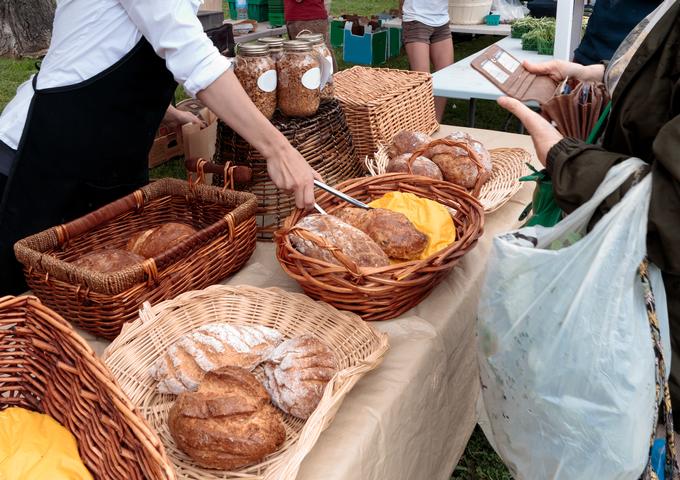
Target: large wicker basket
pixel 324 140
pixel 46 367
pixel 386 292
pixel 358 346
pixel 381 102
pixel 102 303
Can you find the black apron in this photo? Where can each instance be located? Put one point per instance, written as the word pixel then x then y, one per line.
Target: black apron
pixel 82 147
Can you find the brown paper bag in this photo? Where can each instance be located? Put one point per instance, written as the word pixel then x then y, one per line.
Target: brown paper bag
pixel 200 142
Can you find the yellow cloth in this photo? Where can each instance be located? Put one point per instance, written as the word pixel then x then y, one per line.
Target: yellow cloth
pixel 34 446
pixel 429 217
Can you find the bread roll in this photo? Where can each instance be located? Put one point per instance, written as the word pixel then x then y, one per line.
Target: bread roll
pixel 154 241
pixel 461 170
pixel 456 136
pixel 421 166
pixel 208 348
pixel 297 372
pixel 108 261
pixel 228 423
pixel 351 241
pixel 392 231
pixel 407 142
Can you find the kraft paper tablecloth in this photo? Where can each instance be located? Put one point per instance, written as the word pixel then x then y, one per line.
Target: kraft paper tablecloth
pixel 411 418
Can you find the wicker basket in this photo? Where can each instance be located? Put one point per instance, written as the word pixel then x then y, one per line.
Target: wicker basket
pixel 325 142
pixel 381 102
pixel 102 303
pixel 46 367
pixel 509 165
pixel 359 348
pixel 386 292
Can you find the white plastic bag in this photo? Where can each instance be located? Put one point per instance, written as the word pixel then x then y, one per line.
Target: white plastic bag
pixel 509 10
pixel 566 355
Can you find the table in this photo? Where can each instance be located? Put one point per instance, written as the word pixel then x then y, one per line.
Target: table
pixel 462 81
pixel 411 418
pixel 263 29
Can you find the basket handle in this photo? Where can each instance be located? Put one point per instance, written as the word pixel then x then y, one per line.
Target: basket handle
pixel 452 143
pixel 239 173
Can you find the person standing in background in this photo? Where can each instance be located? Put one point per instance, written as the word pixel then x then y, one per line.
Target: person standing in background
pixel 610 22
pixel 427 38
pixel 307 15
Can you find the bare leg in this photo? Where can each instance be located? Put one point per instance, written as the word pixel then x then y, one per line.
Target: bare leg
pixel 418 56
pixel 441 54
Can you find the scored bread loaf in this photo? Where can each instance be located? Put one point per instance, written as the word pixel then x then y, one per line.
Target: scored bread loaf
pixel 228 423
pixel 208 348
pixel 154 241
pixel 109 260
pixel 296 374
pixel 394 233
pixel 422 166
pixel 351 241
pixel 407 142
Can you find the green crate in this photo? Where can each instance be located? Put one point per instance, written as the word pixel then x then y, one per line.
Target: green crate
pixel 276 19
pixel 258 10
pixel 337 33
pixel 367 49
pixel 232 10
pixel 393 42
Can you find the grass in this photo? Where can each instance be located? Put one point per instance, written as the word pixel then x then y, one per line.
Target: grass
pixel 479 462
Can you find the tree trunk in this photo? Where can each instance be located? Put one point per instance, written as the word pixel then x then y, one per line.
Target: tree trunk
pixel 25 26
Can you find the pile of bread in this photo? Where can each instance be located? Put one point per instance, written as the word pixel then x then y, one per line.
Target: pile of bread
pixel 369 238
pixel 146 244
pixel 454 164
pixel 223 417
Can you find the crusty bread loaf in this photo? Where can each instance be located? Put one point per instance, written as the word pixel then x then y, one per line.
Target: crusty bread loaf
pixel 407 142
pixel 228 423
pixel 297 372
pixel 154 241
pixel 421 166
pixel 208 348
pixel 108 261
pixel 456 136
pixel 351 241
pixel 456 164
pixel 392 231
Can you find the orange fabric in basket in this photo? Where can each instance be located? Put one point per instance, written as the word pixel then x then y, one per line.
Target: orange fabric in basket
pixel 429 217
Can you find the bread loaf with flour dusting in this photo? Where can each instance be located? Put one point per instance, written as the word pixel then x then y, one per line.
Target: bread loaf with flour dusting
pixel 208 348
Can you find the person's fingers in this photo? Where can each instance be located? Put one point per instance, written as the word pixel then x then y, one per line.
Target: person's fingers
pixel 317 176
pixel 309 195
pixel 300 198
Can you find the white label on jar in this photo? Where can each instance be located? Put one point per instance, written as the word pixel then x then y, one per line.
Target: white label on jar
pixel 267 81
pixel 329 62
pixel 312 78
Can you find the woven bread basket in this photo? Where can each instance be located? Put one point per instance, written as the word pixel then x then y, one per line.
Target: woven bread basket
pixel 46 367
pixel 102 303
pixel 358 346
pixel 386 292
pixel 509 165
pixel 381 102
pixel 324 140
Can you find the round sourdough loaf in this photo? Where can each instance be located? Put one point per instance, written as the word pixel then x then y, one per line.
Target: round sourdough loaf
pixel 154 241
pixel 108 261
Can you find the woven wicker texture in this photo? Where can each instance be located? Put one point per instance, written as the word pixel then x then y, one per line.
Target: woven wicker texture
pixel 509 164
pixel 381 102
pixel 387 292
pixel 323 140
pixel 102 303
pixel 358 346
pixel 46 367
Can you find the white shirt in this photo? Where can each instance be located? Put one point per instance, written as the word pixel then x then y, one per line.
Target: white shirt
pixel 433 13
pixel 91 35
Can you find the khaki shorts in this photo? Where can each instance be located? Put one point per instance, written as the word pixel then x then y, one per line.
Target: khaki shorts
pixel 413 32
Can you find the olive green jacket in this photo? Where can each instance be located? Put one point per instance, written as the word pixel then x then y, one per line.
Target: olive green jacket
pixel 644 123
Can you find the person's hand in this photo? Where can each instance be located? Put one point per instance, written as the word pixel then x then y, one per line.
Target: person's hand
pixel 558 70
pixel 175 118
pixel 542 132
pixel 291 173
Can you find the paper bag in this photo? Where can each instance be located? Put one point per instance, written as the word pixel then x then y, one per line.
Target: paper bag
pixel 200 142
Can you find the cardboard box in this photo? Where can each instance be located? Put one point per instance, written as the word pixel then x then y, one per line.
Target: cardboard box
pixel 366 48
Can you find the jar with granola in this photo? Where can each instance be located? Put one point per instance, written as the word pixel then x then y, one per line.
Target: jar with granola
pixel 275 45
pixel 299 78
pixel 256 70
pixel 325 60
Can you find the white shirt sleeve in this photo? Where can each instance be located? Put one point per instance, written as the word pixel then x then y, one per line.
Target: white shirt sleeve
pixel 176 35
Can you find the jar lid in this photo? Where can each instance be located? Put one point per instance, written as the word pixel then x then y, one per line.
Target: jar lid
pixel 272 41
pixel 253 49
pixel 313 38
pixel 297 46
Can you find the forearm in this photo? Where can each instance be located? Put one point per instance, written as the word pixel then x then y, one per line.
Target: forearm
pixel 590 73
pixel 226 98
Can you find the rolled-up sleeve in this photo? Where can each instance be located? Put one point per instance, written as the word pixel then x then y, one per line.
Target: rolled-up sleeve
pixel 176 35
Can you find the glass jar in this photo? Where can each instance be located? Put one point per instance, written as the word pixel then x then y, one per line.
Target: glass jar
pixel 275 45
pixel 325 59
pixel 256 71
pixel 299 77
